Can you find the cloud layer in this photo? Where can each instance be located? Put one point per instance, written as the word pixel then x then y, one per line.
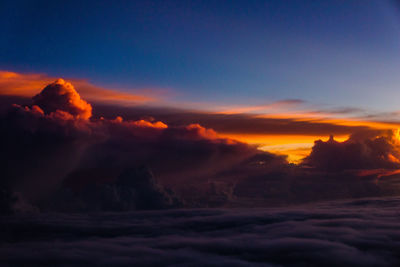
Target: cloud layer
pixel 351 233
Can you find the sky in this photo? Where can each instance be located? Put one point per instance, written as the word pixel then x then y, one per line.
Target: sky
pixel 214 53
pixel 320 68
pixel 221 132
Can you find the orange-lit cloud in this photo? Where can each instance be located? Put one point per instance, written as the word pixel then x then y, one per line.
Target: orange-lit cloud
pixel 143 123
pixel 27 85
pixel 201 131
pixel 61 95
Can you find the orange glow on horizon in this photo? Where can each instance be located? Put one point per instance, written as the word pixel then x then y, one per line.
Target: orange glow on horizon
pixel 324 118
pixel 296 147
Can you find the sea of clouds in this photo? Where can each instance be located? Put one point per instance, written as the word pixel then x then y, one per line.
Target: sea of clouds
pixel 364 232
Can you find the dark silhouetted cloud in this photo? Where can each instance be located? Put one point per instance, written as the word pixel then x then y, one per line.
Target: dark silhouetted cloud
pixel 364 150
pixel 54 144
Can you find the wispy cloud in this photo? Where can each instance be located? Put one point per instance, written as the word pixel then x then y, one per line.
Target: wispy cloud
pixel 271 107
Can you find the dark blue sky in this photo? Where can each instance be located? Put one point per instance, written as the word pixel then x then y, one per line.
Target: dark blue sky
pixel 341 53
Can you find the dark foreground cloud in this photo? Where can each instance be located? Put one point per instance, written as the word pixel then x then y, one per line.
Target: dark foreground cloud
pixel 365 165
pixel 54 143
pixel 351 233
pixel 366 150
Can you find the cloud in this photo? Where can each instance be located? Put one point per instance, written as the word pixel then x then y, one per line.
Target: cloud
pixel 282 135
pixel 62 95
pixel 365 165
pixel 54 153
pixel 243 124
pixel 55 143
pixel 367 150
pixel 134 189
pixel 350 233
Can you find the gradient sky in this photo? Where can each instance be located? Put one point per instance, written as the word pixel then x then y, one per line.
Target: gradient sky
pixel 224 103
pixel 328 53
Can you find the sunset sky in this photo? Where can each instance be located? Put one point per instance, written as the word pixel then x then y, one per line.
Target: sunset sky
pixel 329 62
pixel 199 132
pixel 331 54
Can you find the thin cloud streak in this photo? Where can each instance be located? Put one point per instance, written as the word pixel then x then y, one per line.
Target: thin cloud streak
pixel 26 85
pixel 274 106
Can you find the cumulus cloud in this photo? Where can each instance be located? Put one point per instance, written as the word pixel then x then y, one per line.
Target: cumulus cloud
pixel 62 95
pixel 365 150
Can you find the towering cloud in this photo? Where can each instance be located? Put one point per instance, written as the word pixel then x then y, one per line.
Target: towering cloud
pixel 368 150
pixel 62 95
